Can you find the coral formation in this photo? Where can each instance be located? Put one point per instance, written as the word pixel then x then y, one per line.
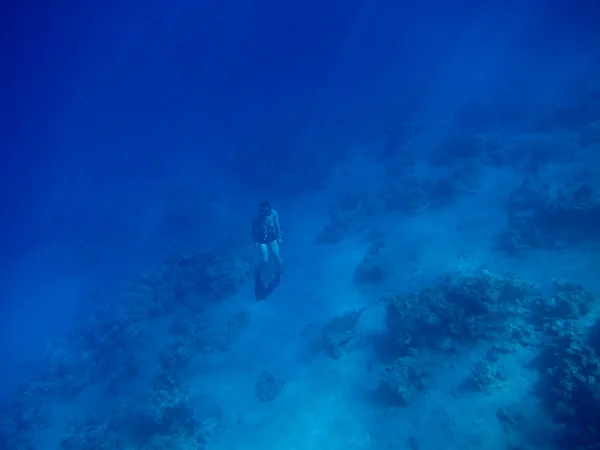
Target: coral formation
pixel 199 332
pixel 177 356
pixel 110 343
pixel 570 370
pixel 405 193
pixel 570 301
pixel 521 151
pixel 374 268
pixel 21 421
pixel 459 308
pixel 402 382
pixel 193 275
pixel 485 374
pixel 269 386
pixel 539 217
pixel 162 417
pixel 108 347
pixel 337 334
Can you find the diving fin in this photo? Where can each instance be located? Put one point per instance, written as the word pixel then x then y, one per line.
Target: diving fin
pixel 262 291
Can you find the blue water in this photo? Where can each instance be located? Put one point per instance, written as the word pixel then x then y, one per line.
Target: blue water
pixel 427 161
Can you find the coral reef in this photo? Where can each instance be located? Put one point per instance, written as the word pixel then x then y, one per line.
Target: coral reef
pixel 405 193
pixel 110 343
pixel 337 334
pixel 402 382
pixel 570 370
pixel 91 432
pixel 114 342
pixel 521 151
pixel 167 402
pixel 63 371
pixel 509 418
pixel 539 217
pixel 192 277
pixel 524 430
pixel 374 268
pixel 444 191
pixel 199 332
pixel 162 417
pixel 196 334
pixel 269 386
pixel 223 335
pixel 177 356
pixel 570 301
pixel 458 309
pixel 21 420
pixel 410 195
pixel 108 346
pixel 485 374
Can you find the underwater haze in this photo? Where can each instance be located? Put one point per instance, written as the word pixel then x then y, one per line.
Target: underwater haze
pixel 270 225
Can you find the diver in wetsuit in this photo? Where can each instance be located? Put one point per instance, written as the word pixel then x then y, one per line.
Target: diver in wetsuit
pixel 266 233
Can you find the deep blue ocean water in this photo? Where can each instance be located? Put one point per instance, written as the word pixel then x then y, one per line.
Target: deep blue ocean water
pixel 402 145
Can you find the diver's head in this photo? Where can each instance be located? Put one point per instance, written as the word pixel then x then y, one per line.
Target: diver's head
pixel 265 208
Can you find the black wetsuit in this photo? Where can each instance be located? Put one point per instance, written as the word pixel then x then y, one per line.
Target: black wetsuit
pixel 266 237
